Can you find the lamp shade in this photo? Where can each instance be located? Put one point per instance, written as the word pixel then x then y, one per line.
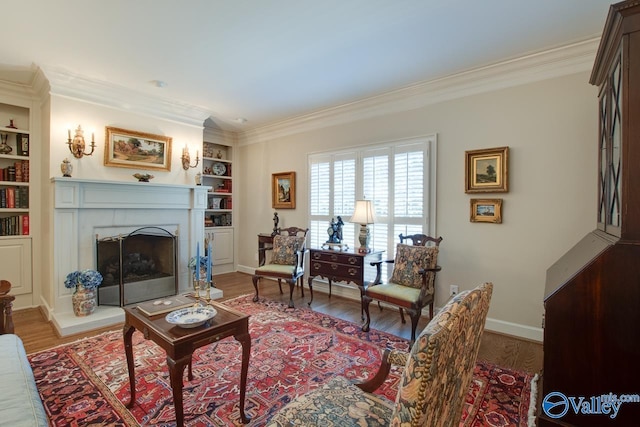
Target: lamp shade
pixel 363 213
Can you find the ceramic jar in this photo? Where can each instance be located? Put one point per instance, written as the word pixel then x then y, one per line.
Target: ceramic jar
pixel 84 301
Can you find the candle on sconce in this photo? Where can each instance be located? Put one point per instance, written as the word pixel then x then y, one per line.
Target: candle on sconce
pixel 69 133
pixel 198 261
pixel 92 139
pixel 209 264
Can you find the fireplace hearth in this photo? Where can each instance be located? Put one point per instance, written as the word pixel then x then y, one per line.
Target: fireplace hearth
pixel 136 267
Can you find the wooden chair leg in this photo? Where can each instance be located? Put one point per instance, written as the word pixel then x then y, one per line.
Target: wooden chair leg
pixel 415 316
pixel 255 285
pixel 280 285
pixel 402 315
pixel 365 303
pixel 292 286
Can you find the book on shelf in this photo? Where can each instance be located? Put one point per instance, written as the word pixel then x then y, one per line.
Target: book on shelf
pixel 11 197
pixel 165 305
pixel 24 221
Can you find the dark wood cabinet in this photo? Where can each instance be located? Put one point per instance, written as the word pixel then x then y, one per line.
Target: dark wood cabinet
pixel 592 295
pixel 343 266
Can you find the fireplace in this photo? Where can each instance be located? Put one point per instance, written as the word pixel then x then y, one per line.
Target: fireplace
pixel 89 210
pixel 136 267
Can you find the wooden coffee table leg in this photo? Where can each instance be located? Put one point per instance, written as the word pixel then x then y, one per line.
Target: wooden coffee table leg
pixel 127 332
pixel 245 340
pixel 176 371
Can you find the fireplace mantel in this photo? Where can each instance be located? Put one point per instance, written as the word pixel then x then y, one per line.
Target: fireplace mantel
pixel 84 209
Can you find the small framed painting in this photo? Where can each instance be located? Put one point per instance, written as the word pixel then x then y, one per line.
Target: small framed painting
pixel 486 210
pixel 486 170
pixel 283 190
pixel 131 149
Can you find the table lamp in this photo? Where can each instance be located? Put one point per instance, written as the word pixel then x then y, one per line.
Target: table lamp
pixel 364 215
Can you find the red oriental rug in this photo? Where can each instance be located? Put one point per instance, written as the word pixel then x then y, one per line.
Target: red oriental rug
pixel 293 351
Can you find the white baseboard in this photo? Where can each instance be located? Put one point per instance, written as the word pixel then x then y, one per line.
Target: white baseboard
pixel 494 325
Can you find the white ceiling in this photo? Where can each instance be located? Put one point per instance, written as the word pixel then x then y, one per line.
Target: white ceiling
pixel 269 60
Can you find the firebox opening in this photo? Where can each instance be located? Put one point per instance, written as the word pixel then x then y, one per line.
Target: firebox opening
pixel 137 267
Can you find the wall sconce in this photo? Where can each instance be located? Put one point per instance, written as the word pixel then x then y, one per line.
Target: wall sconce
pixel 76 145
pixel 186 159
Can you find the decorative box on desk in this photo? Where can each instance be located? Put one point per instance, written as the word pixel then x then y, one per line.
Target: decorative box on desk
pixel 345 265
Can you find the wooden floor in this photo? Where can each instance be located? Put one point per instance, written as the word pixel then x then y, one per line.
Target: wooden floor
pixel 38 334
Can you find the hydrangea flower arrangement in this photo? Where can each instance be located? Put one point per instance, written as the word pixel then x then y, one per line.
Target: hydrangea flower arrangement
pixel 89 279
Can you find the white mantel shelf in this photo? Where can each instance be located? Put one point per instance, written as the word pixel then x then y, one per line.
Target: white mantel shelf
pixel 84 209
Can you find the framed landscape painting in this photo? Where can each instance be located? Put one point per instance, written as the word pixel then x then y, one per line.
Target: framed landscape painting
pixel 131 149
pixel 486 170
pixel 486 210
pixel 283 190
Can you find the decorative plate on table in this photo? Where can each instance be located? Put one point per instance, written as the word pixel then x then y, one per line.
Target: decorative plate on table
pixel 191 317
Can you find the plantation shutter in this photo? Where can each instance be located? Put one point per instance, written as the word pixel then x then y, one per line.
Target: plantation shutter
pixel 394 176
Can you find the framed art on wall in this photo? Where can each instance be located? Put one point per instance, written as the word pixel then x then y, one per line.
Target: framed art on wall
pixel 486 171
pixel 486 210
pixel 283 190
pixel 139 150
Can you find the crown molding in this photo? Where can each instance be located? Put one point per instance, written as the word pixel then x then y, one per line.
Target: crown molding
pixel 68 85
pixel 566 60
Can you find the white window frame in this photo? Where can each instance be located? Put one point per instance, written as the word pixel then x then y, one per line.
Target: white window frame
pixel 318 234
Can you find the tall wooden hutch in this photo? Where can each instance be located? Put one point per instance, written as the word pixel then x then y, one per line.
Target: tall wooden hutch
pixel 592 296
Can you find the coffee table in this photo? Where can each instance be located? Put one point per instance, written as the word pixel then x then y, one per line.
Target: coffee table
pixel 179 344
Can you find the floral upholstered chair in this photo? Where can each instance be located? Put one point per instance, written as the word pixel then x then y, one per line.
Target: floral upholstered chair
pixel 287 261
pixel 412 283
pixel 435 380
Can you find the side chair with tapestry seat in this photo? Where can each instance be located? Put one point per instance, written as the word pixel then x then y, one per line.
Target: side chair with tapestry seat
pixel 435 380
pixel 287 261
pixel 412 283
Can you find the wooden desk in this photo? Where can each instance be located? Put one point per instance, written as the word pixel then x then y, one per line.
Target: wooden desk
pixel 343 266
pixel 179 343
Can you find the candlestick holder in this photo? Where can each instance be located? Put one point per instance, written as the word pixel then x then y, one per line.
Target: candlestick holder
pixel 207 290
pixel 197 285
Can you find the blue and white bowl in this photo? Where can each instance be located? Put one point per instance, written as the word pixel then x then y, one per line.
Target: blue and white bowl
pixel 191 317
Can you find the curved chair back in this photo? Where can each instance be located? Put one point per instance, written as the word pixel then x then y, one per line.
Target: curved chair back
pixel 420 239
pixel 438 372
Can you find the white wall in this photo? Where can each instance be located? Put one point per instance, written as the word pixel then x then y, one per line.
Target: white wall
pixel 551 130
pixel 69 113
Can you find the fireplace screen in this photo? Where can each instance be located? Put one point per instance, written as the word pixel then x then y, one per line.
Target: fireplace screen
pixel 139 266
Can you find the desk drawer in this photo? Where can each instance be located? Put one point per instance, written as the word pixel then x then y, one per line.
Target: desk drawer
pixel 334 269
pixel 336 257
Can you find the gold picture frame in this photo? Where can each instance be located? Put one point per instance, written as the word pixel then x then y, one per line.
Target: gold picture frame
pixel 137 150
pixel 486 171
pixel 486 210
pixel 283 190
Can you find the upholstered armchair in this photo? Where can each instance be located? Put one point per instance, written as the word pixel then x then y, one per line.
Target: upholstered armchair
pixel 435 380
pixel 287 261
pixel 412 283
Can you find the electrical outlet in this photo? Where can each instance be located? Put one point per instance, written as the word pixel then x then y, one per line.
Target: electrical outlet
pixel 453 290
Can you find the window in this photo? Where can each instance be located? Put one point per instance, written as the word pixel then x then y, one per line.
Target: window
pixel 397 177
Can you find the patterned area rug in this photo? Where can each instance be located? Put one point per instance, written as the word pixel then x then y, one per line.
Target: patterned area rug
pixel 293 351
